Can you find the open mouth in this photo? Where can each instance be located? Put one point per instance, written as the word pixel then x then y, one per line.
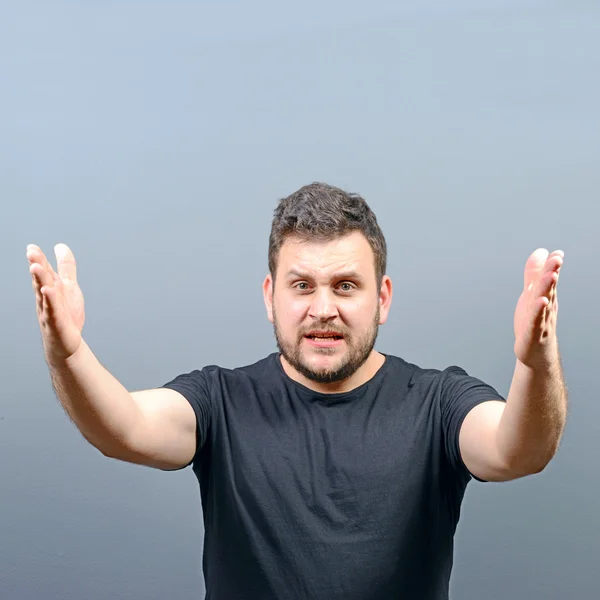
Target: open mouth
pixel 324 339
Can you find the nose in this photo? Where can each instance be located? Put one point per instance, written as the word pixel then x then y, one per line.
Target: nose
pixel 323 306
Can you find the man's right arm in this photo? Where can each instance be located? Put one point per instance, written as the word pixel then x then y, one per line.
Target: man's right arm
pixel 155 427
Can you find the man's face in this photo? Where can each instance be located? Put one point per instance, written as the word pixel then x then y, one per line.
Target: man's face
pixel 326 307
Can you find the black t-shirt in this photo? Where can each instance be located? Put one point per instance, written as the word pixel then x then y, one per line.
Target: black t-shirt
pixel 347 496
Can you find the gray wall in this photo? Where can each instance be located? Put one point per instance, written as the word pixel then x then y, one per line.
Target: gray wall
pixel 155 139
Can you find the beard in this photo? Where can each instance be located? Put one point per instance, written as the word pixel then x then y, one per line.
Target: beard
pixel 358 351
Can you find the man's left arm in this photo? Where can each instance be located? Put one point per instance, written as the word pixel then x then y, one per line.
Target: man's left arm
pixel 502 441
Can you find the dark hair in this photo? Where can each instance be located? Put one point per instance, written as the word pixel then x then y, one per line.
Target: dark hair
pixel 323 212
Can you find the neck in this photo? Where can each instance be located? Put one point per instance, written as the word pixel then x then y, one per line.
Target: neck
pixel 363 374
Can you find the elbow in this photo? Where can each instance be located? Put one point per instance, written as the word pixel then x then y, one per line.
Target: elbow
pixel 101 446
pixel 110 451
pixel 105 452
pixel 539 468
pixel 542 466
pixel 532 464
pixel 530 468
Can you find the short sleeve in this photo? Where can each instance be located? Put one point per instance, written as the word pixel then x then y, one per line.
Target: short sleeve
pixel 459 393
pixel 195 388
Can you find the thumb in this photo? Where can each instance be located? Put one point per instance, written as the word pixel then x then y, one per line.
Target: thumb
pixel 65 262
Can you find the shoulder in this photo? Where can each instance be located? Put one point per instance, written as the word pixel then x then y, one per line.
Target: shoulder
pixel 209 376
pixel 416 374
pixel 214 374
pixel 428 378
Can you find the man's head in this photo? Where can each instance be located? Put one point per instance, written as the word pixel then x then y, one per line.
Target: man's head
pixel 327 262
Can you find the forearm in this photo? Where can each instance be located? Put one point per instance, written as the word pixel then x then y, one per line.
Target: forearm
pixel 534 417
pixel 101 408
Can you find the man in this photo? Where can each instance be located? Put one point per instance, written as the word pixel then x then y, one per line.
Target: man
pixel 327 470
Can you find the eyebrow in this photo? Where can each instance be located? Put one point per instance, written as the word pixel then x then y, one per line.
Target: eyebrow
pixel 339 275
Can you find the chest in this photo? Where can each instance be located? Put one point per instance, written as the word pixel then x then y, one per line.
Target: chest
pixel 342 462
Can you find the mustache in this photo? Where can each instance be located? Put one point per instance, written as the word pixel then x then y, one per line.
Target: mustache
pixel 324 330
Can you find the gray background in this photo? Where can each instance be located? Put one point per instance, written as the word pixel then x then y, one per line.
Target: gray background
pixel 155 139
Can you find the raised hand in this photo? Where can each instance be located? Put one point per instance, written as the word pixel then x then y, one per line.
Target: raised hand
pixel 536 344
pixel 59 302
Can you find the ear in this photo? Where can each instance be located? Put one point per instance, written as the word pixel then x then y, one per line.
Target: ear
pixel 385 299
pixel 268 296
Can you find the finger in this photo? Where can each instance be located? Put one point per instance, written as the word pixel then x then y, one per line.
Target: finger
pixel 33 248
pixel 554 298
pixel 38 294
pixel 546 326
pixel 48 266
pixel 546 284
pixel 554 262
pixel 49 296
pixel 539 318
pixel 40 277
pixel 533 266
pixel 35 254
pixel 65 262
pixel 46 305
pixel 41 274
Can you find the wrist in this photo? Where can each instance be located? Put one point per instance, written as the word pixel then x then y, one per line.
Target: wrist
pixel 71 362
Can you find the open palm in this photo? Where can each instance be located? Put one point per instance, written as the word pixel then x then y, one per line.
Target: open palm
pixel 59 301
pixel 537 309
